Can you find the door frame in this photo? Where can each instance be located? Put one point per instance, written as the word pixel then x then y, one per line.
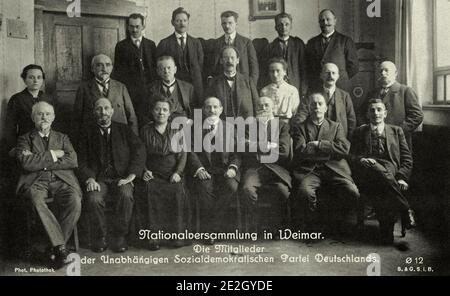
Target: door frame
pixel 114 8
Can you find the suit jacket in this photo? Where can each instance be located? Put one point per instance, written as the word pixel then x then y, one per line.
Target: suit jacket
pixel 341 51
pixel 248 60
pixel 296 54
pixel 245 90
pixel 343 111
pixel 187 95
pixel 128 152
pixel 333 149
pixel 88 93
pixel 399 154
pixel 18 115
pixel 228 157
pixel 403 108
pixel 169 46
pixel 40 161
pixel 127 64
pixel 252 159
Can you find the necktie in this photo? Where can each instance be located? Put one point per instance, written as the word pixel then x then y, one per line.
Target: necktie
pixel 105 134
pixel 283 44
pixel 137 42
pixel 230 78
pixel 45 138
pixel 383 92
pixel 228 41
pixel 325 42
pixel 105 90
pixel 167 88
pixel 182 43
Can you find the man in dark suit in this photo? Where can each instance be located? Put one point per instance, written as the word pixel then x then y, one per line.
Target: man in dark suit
pixel 339 102
pixel 236 92
pixel 382 165
pixel 111 156
pixel 215 169
pixel 134 61
pixel 291 49
pixel 47 160
pixel 102 86
pixel 320 149
pixel 248 65
pixel 186 50
pixel 265 164
pixel 331 47
pixel 179 92
pixel 401 101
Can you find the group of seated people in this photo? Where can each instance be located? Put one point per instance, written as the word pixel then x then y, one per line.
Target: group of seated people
pixel 151 158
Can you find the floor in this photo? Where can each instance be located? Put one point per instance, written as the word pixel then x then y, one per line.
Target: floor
pixel 419 253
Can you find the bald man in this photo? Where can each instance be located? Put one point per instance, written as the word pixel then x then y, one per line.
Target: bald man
pixel 339 103
pixel 272 174
pixel 102 86
pixel 401 102
pixel 47 160
pixel 331 46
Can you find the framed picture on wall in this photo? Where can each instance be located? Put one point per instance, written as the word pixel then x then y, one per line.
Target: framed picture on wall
pixel 265 9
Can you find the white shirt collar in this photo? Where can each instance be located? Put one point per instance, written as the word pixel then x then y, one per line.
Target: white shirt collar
pixel 108 129
pixel 232 35
pixel 379 128
pixel 329 34
pixel 171 84
pixel 284 38
pixel 331 90
pixel 43 135
pixel 134 39
pixel 178 35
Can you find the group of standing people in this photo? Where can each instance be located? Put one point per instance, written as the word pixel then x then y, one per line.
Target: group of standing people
pixel 122 134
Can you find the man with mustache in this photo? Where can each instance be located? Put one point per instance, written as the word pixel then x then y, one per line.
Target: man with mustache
pixel 265 170
pixel 215 169
pixel 320 152
pixel 248 65
pixel 186 50
pixel 47 160
pixel 405 110
pixel 339 102
pixel 331 47
pixel 179 92
pixel 382 164
pixel 102 86
pixel 111 156
pixel 236 92
pixel 135 62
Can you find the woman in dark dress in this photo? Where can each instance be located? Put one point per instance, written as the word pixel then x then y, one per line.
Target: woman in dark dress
pixel 163 176
pixel 18 113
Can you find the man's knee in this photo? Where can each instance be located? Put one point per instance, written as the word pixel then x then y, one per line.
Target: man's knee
pixel 306 191
pixel 249 191
pixel 94 199
pixel 126 193
pixel 282 189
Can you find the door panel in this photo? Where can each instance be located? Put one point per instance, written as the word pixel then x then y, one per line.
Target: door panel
pixel 69 45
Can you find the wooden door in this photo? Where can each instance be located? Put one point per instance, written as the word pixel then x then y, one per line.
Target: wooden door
pixel 69 45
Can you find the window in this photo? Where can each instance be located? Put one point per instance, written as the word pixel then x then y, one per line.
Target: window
pixel 441 73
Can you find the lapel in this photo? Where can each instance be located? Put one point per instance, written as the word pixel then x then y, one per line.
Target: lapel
pixel 309 129
pixel 221 90
pixel 324 130
pixel 183 92
pixel 276 48
pixel 220 44
pixel 367 138
pixel 389 137
pixel 331 45
pixel 338 103
pixel 37 142
pixel 52 141
pixel 97 137
pixel 239 82
pixel 113 89
pixel 93 87
pixel 190 47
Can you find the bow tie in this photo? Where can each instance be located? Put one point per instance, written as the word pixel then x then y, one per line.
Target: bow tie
pixel 230 78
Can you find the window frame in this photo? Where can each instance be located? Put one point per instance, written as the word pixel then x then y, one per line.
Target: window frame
pixel 439 71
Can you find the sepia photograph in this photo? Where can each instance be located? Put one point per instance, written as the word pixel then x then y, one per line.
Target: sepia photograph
pixel 224 138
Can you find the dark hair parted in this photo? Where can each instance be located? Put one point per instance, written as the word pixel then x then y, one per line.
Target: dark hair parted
pixel 137 16
pixel 377 101
pixel 178 11
pixel 282 15
pixel 31 67
pixel 230 13
pixel 327 9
